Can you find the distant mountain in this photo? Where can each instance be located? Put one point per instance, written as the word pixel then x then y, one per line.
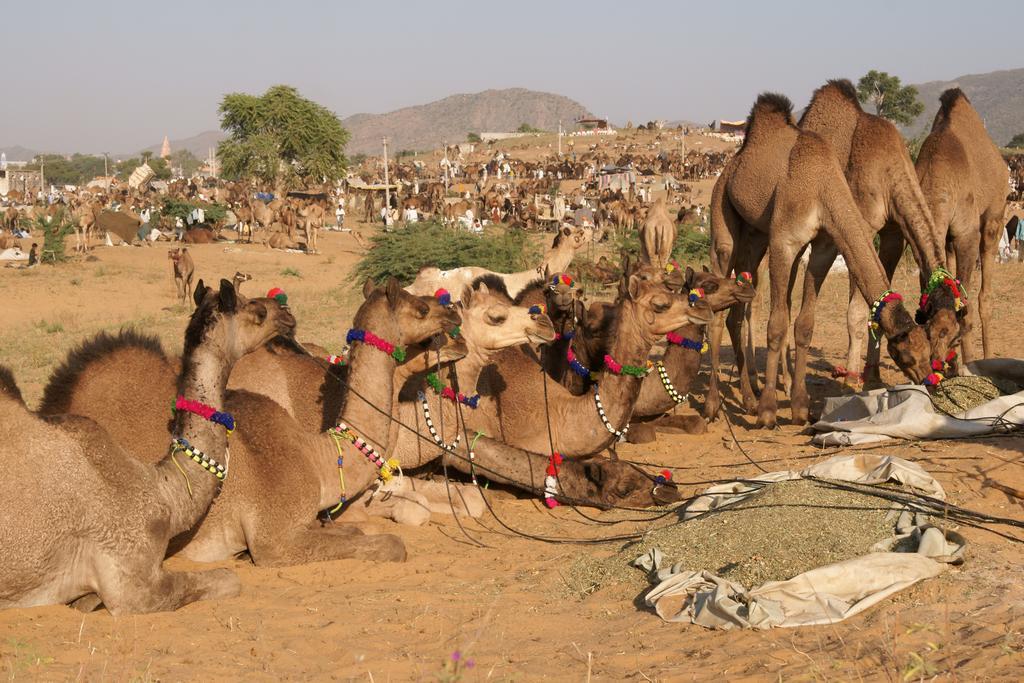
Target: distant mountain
pixel 427 126
pixel 199 145
pixel 998 96
pixel 18 153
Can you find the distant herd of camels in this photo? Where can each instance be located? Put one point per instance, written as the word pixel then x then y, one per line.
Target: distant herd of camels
pixel 503 377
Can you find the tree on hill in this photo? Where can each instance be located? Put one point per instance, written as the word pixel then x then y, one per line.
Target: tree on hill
pixel 527 128
pixel 892 99
pixel 1017 141
pixel 280 135
pixel 474 137
pixel 186 161
pixel 76 170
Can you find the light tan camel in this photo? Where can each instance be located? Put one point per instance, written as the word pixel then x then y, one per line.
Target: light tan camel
pixel 282 474
pixel 183 269
pixel 884 185
pixel 238 278
pixel 965 181
pixel 567 242
pixel 781 191
pixel 512 406
pixel 657 235
pixel 88 518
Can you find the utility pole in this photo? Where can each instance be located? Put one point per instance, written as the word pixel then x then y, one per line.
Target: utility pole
pixel 387 184
pixel 106 175
pixel 42 175
pixel 446 164
pixel 559 138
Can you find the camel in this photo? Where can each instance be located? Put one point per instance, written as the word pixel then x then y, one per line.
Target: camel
pixel 964 180
pixel 88 519
pixel 884 185
pixel 567 242
pixel 657 236
pixel 511 407
pixel 784 190
pixel 238 278
pixel 183 269
pixel 83 219
pixel 283 474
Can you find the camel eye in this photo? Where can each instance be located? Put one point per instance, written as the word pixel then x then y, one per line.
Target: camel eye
pixel 660 306
pixel 496 318
pixel 711 288
pixel 422 310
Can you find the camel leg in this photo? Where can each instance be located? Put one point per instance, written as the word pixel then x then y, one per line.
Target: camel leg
pixel 304 545
pixel 823 255
pixel 782 263
pixel 681 424
pixel 890 250
pixel 713 400
pixel 966 251
pixel 989 247
pixel 159 590
pixel 745 364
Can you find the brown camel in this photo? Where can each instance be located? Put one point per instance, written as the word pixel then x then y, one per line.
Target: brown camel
pixel 657 236
pixel 512 404
pixel 88 518
pixel 283 474
pixel 238 278
pixel 884 185
pixel 567 242
pixel 781 191
pixel 965 182
pixel 183 269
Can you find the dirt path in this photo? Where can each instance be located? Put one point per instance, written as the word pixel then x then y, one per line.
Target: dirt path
pixel 503 605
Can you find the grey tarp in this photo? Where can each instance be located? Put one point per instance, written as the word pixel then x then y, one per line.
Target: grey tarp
pixel 906 412
pixel 824 595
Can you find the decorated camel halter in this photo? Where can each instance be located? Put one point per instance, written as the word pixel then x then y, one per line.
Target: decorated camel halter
pixel 679 340
pixel 673 265
pixel 744 278
pixel 939 370
pixel 206 412
pixel 698 346
pixel 620 434
pixel 367 337
pixel 939 277
pixel 562 279
pixel 447 392
pixel 695 295
pixel 617 368
pixel 875 319
pixel 386 468
pixel 278 295
pixel 433 430
pixel 551 480
pixel 537 309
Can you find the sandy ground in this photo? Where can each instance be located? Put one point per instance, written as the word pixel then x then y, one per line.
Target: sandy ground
pixel 502 604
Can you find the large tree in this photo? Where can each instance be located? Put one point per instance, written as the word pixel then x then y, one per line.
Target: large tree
pixel 280 135
pixel 1017 141
pixel 892 99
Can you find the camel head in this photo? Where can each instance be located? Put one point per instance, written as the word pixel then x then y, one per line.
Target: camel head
pixel 720 292
pixel 233 324
pixel 654 308
pixel 943 313
pixel 614 482
pixel 403 318
pixel 563 297
pixel 575 236
pixel 490 322
pixel 907 343
pixel 175 255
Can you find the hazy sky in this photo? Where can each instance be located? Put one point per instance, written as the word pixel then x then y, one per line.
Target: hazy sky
pixel 117 76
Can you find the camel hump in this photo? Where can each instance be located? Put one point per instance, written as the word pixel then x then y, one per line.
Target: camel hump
pixel 772 103
pixel 844 87
pixel 60 387
pixel 950 97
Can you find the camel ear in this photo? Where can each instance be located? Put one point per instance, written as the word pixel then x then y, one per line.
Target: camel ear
pixel 566 231
pixel 368 288
pixel 227 299
pixel 594 472
pixel 689 276
pixel 482 288
pixel 200 293
pixel 393 290
pixel 705 269
pixel 633 287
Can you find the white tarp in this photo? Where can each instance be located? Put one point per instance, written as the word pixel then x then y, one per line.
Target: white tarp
pixel 824 595
pixel 906 412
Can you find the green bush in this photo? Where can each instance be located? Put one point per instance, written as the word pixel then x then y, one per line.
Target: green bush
pixel 691 245
pixel 54 232
pixel 181 209
pixel 402 252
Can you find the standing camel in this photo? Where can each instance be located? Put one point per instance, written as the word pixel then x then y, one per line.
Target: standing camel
pixel 86 518
pixel 782 191
pixel 657 236
pixel 965 181
pixel 183 269
pixel 884 185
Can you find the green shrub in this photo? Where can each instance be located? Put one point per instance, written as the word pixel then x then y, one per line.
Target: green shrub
pixel 180 209
pixel 691 245
pixel 54 232
pixel 402 252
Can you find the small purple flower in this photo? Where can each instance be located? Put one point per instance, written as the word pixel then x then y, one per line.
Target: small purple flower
pixel 456 656
pixel 470 663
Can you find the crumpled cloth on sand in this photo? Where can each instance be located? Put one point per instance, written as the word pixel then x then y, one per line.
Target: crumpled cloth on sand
pixel 824 595
pixel 906 412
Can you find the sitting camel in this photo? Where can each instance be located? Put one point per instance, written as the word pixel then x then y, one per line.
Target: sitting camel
pixel 90 519
pixel 568 240
pixel 283 474
pixel 781 191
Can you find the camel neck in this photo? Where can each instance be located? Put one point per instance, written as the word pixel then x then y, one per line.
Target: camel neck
pixel 627 346
pixel 189 488
pixel 558 258
pixel 683 363
pixel 371 373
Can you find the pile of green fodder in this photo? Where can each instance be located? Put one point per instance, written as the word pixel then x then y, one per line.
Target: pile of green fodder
pixel 784 530
pixel 956 395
